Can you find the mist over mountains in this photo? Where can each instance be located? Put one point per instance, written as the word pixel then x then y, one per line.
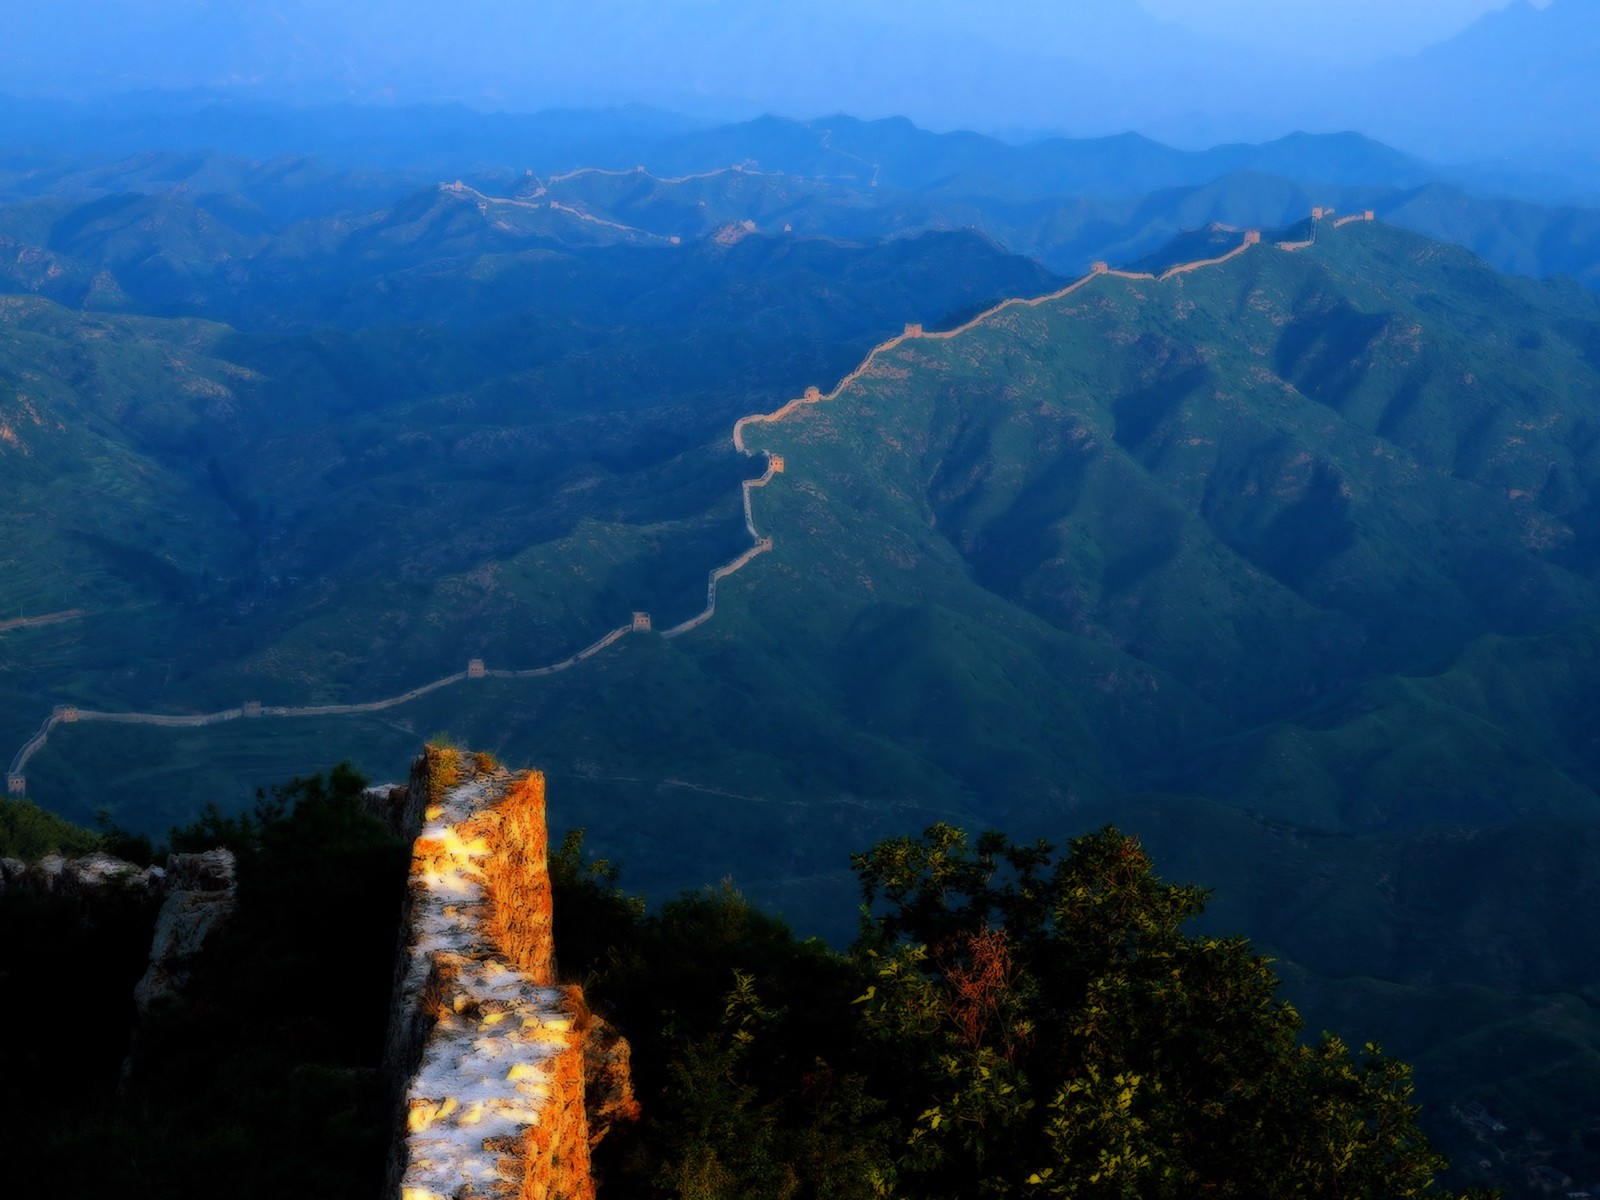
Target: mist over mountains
pixel 1084 69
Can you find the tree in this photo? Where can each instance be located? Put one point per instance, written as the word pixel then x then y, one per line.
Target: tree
pixel 1047 1027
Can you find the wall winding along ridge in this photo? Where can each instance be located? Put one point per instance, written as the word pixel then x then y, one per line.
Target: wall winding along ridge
pixel 16 781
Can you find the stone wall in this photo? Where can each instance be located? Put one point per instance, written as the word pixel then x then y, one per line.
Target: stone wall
pixel 503 1079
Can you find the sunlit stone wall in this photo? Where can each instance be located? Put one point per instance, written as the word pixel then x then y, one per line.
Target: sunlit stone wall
pixel 490 1050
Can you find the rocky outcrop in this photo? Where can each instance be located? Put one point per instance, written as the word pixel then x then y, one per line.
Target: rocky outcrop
pixel 607 1080
pixel 179 907
pixel 496 1067
pixel 200 899
pixel 90 875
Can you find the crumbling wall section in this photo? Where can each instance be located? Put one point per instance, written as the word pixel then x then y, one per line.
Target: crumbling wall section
pixel 488 1055
pixel 517 874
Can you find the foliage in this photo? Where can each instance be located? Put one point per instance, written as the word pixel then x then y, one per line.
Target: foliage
pixel 1054 1031
pixel 1021 1024
pixel 137 848
pixel 266 1076
pixel 29 832
pixel 744 1093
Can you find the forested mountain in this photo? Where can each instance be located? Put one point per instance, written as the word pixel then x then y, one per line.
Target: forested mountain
pixel 1283 556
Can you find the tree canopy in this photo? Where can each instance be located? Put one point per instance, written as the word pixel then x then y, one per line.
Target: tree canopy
pixel 1012 1021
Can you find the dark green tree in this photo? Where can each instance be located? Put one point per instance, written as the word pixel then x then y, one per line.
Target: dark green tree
pixel 1048 1027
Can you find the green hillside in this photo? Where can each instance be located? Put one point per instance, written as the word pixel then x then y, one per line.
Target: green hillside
pixel 328 516
pixel 1300 549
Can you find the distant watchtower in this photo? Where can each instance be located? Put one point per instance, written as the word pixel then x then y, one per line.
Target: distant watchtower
pixel 641 622
pixel 1319 213
pixel 1369 215
pixel 1252 237
pixel 1099 267
pixel 775 461
pixel 913 330
pixel 813 393
pixel 250 709
pixel 17 785
pixel 476 669
pixel 66 713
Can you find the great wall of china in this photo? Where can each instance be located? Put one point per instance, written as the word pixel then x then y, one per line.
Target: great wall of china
pixel 54 618
pixel 502 1079
pixel 16 779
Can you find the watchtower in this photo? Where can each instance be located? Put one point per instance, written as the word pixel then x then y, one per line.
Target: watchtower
pixel 1318 213
pixel 775 461
pixel 17 785
pixel 641 622
pixel 1369 215
pixel 476 669
pixel 66 713
pixel 1099 267
pixel 250 709
pixel 813 393
pixel 913 330
pixel 1252 237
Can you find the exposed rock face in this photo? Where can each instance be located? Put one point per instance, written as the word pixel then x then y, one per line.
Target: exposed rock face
pixel 91 875
pixel 493 1059
pixel 607 1079
pixel 194 892
pixel 200 901
pixel 391 804
pixel 211 871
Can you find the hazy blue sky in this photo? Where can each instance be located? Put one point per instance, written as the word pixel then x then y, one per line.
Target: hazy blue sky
pixel 1188 71
pixel 1346 28
pixel 205 40
pixel 1325 29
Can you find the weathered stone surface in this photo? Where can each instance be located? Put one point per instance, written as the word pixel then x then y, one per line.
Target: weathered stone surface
pixel 388 803
pixel 47 874
pixel 607 1079
pixel 89 877
pixel 210 871
pixel 93 871
pixel 492 1060
pixel 190 917
pixel 186 922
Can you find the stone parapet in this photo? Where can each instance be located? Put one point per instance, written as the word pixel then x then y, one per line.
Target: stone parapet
pixel 488 1053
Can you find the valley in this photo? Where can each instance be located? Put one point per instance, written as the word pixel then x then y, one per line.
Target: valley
pixel 1277 549
pixel 16 780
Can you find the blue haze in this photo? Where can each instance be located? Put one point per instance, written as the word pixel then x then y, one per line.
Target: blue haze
pixel 1514 85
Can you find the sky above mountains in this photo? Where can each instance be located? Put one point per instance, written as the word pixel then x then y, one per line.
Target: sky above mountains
pixel 1354 30
pixel 1435 76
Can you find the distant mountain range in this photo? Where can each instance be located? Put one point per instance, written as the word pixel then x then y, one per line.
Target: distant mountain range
pixel 84 221
pixel 1289 563
pixel 1513 88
